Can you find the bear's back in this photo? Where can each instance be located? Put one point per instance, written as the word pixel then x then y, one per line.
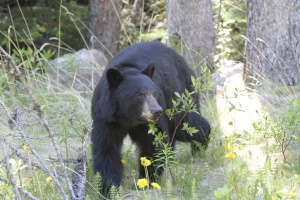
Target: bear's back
pixel 142 53
pixel 138 55
pixel 168 64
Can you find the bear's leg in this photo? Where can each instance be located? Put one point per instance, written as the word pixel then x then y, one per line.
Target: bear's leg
pixel 147 149
pixel 201 124
pixel 106 150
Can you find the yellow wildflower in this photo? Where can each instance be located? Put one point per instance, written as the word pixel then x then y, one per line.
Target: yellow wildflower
pixel 145 162
pixel 26 147
pixel 230 155
pixel 155 185
pixel 48 179
pixel 142 183
pixel 123 161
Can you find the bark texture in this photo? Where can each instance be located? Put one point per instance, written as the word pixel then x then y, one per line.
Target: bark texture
pixel 79 178
pixel 192 23
pixel 105 25
pixel 273 45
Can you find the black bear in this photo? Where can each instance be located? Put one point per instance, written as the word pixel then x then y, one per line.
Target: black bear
pixel 137 86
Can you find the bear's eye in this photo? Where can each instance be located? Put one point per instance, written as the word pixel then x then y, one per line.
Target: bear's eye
pixel 140 95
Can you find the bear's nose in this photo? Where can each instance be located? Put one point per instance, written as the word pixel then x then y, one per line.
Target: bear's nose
pixel 157 113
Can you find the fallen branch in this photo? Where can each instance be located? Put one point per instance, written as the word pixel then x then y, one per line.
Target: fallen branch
pixel 3 179
pixel 79 178
pixel 68 160
pixel 10 173
pixel 27 194
pixel 27 141
pixel 21 156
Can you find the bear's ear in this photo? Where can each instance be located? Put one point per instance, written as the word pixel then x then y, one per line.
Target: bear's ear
pixel 149 70
pixel 114 77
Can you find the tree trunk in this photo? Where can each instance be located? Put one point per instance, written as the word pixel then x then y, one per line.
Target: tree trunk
pixel 192 23
pixel 105 25
pixel 273 41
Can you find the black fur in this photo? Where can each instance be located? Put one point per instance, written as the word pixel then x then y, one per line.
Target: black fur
pixel 141 77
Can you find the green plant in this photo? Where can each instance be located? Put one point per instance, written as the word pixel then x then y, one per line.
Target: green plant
pixel 165 157
pixel 285 131
pixel 230 27
pixel 32 60
pixel 6 189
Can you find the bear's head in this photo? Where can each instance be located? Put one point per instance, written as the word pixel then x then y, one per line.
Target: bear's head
pixel 134 94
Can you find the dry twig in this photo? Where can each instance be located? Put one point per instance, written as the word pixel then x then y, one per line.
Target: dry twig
pixel 10 173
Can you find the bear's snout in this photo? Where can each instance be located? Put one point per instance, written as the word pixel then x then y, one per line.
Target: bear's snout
pixel 151 110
